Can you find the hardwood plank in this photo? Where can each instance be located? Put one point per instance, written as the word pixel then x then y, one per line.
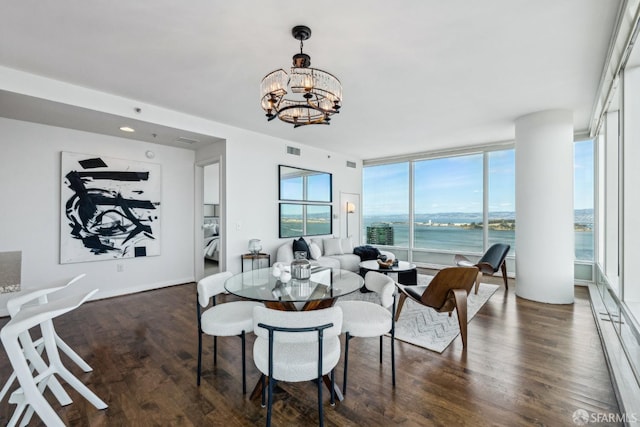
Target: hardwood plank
pixel 527 364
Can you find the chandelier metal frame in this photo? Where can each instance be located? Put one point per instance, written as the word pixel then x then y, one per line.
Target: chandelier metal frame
pixel 319 94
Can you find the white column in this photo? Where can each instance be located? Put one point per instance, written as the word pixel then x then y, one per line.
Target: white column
pixel 544 207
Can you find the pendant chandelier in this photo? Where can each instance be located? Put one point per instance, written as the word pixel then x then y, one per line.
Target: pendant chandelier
pixel 315 95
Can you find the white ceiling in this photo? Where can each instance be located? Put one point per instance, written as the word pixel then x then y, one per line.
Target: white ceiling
pixel 418 75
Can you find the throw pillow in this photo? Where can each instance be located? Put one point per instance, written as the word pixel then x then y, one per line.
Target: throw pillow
pixel 333 247
pixel 315 251
pixel 301 245
pixel 347 245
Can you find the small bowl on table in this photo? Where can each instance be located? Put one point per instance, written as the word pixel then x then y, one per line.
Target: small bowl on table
pixel 385 264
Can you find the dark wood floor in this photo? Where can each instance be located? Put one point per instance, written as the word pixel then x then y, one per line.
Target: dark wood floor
pixel 527 364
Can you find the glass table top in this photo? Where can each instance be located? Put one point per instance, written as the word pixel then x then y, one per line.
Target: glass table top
pixel 324 284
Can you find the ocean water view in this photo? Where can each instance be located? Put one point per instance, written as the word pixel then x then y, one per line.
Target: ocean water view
pixel 452 232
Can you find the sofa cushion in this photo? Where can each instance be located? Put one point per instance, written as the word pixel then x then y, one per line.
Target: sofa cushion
pixel 333 247
pixel 285 253
pixel 327 261
pixel 300 245
pixel 320 243
pixel 349 262
pixel 314 250
pixel 347 245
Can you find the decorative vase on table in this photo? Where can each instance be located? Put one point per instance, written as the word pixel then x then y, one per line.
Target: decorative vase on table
pixel 255 246
pixel 300 266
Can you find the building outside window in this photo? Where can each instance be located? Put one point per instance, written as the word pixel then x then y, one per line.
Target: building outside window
pixel 385 204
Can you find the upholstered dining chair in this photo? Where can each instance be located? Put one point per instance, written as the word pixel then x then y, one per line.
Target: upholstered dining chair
pixel 446 292
pixel 233 318
pixel 307 351
pixel 490 262
pixel 30 394
pixel 368 319
pixel 33 349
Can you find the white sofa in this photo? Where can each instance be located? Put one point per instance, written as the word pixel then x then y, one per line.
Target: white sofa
pixel 333 252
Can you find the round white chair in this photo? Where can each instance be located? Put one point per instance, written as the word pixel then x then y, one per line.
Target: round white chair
pixel 222 320
pixel 367 319
pixel 307 351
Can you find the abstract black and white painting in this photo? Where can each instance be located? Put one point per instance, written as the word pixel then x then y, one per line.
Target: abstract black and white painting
pixel 110 208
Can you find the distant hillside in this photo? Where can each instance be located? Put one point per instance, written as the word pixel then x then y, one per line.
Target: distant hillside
pixel 582 216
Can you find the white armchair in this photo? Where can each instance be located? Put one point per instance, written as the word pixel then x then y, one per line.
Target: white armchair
pixel 229 319
pixel 366 319
pixel 308 351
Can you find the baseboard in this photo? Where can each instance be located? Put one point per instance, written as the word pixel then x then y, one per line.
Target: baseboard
pixel 104 294
pixel 622 376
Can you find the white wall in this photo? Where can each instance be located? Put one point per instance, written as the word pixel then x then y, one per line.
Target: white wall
pixel 251 188
pixel 30 218
pixel 30 213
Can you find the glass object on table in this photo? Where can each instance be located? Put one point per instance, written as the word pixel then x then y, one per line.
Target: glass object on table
pixel 300 266
pixel 255 246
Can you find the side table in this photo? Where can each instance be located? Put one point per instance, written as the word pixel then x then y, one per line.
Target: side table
pixel 255 261
pixel 407 273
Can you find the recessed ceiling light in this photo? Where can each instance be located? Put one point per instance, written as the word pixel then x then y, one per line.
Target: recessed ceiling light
pixel 127 129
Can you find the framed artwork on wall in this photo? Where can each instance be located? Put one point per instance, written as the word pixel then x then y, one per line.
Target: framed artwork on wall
pixel 110 208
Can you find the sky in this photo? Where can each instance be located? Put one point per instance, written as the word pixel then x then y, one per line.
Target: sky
pixel 454 184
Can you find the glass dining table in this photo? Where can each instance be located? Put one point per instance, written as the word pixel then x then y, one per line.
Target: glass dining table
pixel 319 291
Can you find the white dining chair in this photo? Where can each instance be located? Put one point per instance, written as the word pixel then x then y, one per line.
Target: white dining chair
pixel 233 318
pixel 34 349
pixel 294 346
pixel 368 319
pixel 30 393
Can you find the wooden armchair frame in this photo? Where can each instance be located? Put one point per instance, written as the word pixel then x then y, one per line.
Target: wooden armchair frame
pixel 446 292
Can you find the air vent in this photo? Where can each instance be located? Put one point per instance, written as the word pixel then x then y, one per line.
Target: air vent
pixel 187 140
pixel 293 150
pixel 351 164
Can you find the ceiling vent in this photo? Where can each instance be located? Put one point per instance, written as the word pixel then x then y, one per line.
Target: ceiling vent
pixel 351 164
pixel 293 150
pixel 187 140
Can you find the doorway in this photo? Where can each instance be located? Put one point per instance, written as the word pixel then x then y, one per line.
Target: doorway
pixel 211 218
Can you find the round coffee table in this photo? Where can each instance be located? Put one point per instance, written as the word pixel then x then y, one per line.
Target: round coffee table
pixel 407 273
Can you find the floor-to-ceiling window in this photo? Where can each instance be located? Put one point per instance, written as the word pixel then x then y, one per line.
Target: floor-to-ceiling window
pixel 501 198
pixel 426 208
pixel 448 204
pixel 583 200
pixel 617 204
pixel 429 207
pixel 385 203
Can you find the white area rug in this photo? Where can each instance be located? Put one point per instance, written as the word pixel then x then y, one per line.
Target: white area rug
pixel 425 327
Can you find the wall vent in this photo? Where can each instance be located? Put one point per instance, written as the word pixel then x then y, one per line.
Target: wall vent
pixel 293 150
pixel 187 140
pixel 351 164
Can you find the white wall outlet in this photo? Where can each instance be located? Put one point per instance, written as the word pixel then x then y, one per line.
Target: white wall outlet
pixel 119 268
